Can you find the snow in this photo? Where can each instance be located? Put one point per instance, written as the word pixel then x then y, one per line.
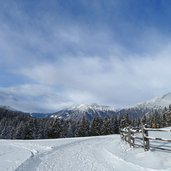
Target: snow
pixel 157 102
pixel 93 106
pixel 8 108
pixel 103 153
pixel 89 111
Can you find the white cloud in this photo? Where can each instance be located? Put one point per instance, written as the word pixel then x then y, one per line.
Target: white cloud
pixel 72 62
pixel 113 80
pixel 33 98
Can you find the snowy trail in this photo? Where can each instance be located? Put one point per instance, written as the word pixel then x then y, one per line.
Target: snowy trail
pixel 103 153
pixel 80 155
pixel 88 154
pixel 34 161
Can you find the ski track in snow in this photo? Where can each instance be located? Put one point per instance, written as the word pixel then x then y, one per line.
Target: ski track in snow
pixel 104 153
pixel 76 156
pixel 34 161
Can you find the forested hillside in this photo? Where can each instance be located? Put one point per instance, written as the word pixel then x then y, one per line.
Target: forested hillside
pixel 18 125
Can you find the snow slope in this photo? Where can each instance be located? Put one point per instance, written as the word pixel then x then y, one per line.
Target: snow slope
pixel 93 106
pixel 103 153
pixel 89 111
pixel 157 102
pixel 7 108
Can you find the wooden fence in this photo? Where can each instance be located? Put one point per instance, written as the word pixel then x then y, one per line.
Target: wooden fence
pixel 130 135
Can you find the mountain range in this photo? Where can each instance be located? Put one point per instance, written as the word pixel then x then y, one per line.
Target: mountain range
pixel 89 111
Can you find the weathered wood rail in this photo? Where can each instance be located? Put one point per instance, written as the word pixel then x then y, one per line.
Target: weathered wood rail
pixel 130 135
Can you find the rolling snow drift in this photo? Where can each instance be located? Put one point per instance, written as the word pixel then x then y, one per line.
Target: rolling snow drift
pixel 103 153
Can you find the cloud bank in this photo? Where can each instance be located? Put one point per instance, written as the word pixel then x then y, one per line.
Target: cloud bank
pixel 53 55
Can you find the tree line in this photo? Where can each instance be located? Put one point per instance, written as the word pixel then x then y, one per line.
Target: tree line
pixel 16 125
pixel 154 119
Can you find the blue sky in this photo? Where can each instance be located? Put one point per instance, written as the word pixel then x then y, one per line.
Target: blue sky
pixel 56 53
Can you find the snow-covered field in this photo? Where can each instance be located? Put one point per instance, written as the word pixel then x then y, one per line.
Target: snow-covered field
pixel 104 153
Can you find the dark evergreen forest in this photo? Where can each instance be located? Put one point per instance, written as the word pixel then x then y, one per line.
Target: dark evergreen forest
pixel 18 125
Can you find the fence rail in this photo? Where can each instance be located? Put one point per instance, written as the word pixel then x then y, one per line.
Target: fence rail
pixel 130 135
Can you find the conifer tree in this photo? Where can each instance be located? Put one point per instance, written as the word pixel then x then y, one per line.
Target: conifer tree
pixel 96 126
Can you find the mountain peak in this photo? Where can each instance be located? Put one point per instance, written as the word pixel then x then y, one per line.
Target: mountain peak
pixel 93 106
pixel 157 102
pixel 89 111
pixel 167 96
pixel 8 108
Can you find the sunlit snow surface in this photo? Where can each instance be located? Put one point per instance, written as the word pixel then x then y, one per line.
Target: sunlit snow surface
pixel 105 153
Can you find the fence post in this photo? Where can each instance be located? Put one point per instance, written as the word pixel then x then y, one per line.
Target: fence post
pixel 132 139
pixel 125 136
pixel 129 135
pixel 121 133
pixel 146 142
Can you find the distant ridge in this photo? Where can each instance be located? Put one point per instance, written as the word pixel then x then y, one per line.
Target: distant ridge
pixel 157 102
pixel 89 111
pixel 8 108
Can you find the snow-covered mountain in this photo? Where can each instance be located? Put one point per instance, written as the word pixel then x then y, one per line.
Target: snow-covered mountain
pixel 93 106
pixel 157 102
pixel 7 108
pixel 147 107
pixel 89 111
